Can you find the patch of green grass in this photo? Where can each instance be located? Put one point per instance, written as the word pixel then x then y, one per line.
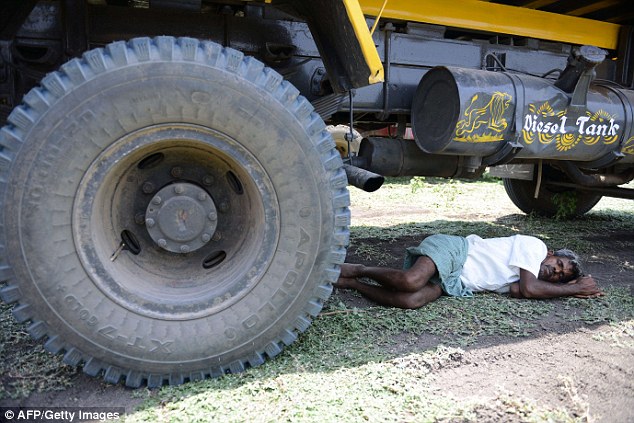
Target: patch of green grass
pixel 25 366
pixel 456 321
pixel 391 233
pixel 445 193
pixel 615 306
pixel 373 253
pixel 566 204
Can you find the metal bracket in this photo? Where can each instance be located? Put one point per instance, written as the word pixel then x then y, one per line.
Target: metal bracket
pixel 508 151
pixel 605 161
pixel 350 135
pixel 504 155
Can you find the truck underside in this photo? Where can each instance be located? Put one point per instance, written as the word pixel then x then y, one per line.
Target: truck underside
pixel 39 36
pixel 172 204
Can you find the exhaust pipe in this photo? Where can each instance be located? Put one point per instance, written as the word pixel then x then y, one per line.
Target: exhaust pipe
pixel 578 177
pixel 363 179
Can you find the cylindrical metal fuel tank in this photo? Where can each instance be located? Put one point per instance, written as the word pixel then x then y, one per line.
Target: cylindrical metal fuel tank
pixel 470 112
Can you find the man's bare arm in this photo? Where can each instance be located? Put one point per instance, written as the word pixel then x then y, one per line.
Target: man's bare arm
pixel 531 287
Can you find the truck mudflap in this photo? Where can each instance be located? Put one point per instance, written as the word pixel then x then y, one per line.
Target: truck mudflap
pixel 500 116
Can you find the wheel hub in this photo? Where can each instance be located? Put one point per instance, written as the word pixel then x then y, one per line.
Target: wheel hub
pixel 181 218
pixel 201 214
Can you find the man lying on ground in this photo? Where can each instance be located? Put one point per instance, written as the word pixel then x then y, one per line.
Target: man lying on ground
pixel 457 266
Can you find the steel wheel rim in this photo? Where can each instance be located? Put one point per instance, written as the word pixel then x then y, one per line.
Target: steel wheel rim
pixel 223 269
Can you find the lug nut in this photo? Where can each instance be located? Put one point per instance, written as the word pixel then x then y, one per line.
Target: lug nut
pixel 184 248
pixel 224 207
pixel 208 180
pixel 148 187
pixel 206 238
pixel 156 200
pixel 212 216
pixel 162 243
pixel 177 172
pixel 149 222
pixel 217 236
pixel 139 218
pixel 202 196
pixel 178 189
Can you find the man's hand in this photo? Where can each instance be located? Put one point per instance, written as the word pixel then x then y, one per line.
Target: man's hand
pixel 531 287
pixel 587 287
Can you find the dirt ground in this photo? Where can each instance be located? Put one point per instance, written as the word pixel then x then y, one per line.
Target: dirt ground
pixel 560 365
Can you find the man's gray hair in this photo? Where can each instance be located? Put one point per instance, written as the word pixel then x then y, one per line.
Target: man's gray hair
pixel 575 262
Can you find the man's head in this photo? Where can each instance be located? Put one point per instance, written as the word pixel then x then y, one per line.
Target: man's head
pixel 560 266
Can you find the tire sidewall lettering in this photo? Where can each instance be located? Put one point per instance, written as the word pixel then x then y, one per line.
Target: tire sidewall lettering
pixel 71 136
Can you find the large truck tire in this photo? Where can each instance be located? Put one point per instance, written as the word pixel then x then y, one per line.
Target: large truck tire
pixel 171 210
pixel 522 194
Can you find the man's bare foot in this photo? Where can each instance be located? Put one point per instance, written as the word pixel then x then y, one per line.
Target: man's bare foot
pixel 345 283
pixel 350 270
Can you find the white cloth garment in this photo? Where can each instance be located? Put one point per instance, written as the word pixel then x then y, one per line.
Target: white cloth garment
pixel 493 264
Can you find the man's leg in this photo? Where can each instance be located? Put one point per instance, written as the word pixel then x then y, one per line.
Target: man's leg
pixel 400 288
pixel 410 280
pixel 392 298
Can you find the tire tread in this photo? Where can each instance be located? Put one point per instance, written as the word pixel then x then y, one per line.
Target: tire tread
pixel 166 48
